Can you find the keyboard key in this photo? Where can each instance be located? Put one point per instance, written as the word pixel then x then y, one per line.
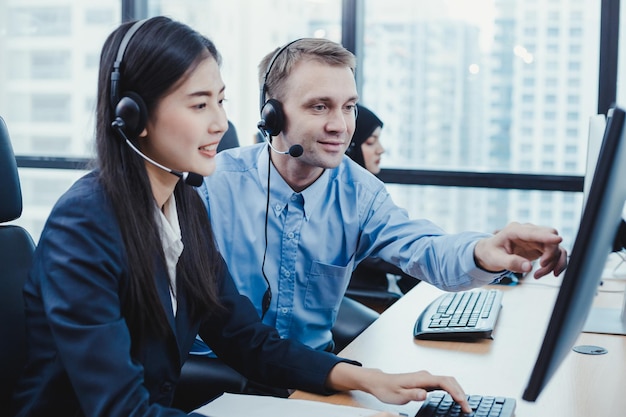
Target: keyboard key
pixel 440 404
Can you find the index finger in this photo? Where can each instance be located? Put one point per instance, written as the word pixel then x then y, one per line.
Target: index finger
pixel 542 234
pixel 452 387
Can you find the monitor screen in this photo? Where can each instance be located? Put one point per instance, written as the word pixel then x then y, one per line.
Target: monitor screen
pixel 601 218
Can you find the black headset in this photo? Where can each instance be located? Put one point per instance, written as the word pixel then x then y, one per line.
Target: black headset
pixel 272 115
pixel 129 108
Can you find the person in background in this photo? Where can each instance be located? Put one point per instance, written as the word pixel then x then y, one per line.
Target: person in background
pixel 365 147
pixel 374 281
pixel 126 272
pixel 304 214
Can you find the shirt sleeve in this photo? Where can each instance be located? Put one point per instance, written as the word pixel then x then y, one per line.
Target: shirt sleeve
pixel 419 247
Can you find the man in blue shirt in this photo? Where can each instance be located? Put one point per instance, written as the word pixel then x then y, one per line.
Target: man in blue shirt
pixel 292 228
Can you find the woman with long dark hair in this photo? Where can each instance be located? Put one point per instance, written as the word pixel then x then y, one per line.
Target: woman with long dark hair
pixel 126 272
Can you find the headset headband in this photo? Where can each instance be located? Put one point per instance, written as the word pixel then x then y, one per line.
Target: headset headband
pixel 115 73
pixel 269 68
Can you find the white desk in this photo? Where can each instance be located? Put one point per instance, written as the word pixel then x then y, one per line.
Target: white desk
pixel 584 385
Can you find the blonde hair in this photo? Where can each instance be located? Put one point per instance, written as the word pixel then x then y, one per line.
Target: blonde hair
pixel 272 80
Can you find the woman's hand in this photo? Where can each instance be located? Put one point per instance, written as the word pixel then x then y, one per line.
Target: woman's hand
pixel 395 388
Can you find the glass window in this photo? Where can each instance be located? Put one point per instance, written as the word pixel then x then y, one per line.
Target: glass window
pixel 430 70
pixel 50 52
pixel 255 36
pixel 50 108
pixel 440 40
pixel 41 188
pixel 489 209
pixel 52 145
pixel 45 79
pixel 49 65
pixel 553 32
pixel 39 20
pixel 514 46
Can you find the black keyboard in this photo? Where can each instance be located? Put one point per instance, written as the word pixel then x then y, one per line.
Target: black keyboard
pixel 439 404
pixel 465 315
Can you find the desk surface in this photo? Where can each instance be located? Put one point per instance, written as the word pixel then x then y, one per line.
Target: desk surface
pixel 583 386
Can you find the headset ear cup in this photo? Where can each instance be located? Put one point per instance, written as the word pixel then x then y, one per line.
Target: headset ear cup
pixel 133 112
pixel 273 117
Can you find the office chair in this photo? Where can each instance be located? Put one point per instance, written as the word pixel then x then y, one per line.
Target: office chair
pixel 16 252
pixel 352 318
pixel 370 286
pixel 230 138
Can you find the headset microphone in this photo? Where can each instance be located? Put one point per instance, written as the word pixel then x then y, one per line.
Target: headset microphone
pixel 294 150
pixel 189 178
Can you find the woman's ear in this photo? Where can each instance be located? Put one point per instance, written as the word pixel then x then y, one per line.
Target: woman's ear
pixel 144 133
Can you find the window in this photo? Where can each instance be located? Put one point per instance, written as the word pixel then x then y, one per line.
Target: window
pixel 575 32
pixel 553 32
pixel 50 108
pixel 51 145
pixel 48 89
pixel 573 99
pixel 39 21
pixel 523 50
pixel 243 49
pixel 43 83
pixel 51 65
pixel 574 66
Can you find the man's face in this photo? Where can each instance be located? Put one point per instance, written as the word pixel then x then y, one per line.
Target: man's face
pixel 319 105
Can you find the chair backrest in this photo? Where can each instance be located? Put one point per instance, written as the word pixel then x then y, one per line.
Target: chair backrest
pixel 230 138
pixel 16 253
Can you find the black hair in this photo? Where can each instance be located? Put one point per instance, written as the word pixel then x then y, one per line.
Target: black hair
pixel 159 57
pixel 366 123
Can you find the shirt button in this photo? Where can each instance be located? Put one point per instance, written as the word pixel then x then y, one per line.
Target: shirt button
pixel 294 198
pixel 284 310
pixel 290 235
pixel 287 273
pixel 277 207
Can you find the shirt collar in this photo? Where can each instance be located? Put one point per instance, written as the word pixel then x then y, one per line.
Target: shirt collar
pixel 171 237
pixel 281 192
pixel 168 225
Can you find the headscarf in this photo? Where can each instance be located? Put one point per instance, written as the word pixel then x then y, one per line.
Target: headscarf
pixel 366 123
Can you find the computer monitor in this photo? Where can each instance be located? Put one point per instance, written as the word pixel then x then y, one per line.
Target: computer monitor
pixel 601 218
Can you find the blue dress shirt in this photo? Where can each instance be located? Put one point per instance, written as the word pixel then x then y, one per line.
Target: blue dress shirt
pixel 316 237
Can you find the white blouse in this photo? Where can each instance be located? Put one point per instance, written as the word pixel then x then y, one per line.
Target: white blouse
pixel 171 239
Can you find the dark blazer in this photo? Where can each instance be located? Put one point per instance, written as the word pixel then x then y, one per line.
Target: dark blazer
pixel 79 347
